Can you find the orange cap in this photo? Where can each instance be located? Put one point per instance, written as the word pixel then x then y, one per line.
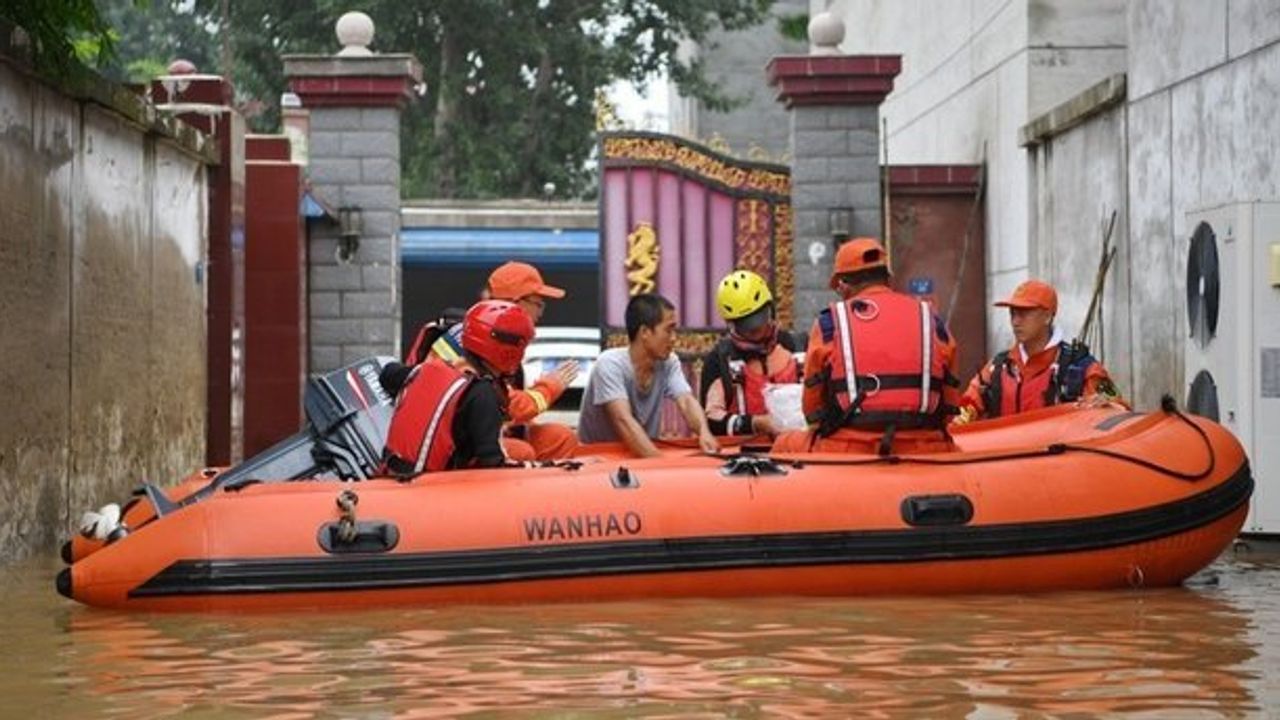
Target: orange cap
pixel 861 253
pixel 1032 294
pixel 514 280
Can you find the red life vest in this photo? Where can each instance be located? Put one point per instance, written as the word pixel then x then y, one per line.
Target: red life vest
pixel 1009 392
pixel 887 363
pixel 1020 394
pixel 749 382
pixel 425 342
pixel 420 438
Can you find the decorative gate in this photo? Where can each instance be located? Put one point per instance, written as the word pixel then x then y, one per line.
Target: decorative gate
pixel 675 218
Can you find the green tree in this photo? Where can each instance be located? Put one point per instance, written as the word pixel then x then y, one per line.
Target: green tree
pixel 150 34
pixel 510 83
pixel 61 32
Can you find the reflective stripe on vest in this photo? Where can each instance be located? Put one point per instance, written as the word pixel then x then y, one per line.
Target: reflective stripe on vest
pixel 436 338
pixel 421 431
pixel 844 352
pixel 738 402
pixel 446 403
pixel 926 352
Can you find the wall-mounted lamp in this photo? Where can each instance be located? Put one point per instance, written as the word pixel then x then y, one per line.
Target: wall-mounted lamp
pixel 350 225
pixel 840 224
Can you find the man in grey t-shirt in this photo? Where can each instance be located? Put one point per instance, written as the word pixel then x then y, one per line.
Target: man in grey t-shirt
pixel 623 399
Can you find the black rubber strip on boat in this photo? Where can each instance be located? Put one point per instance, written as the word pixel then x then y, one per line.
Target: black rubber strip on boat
pixel 771 550
pixel 1116 419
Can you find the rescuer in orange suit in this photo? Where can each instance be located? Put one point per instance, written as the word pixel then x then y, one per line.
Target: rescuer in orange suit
pixel 878 369
pixel 450 415
pixel 1040 369
pixel 523 438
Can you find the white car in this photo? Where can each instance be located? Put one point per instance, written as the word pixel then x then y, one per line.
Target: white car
pixel 552 346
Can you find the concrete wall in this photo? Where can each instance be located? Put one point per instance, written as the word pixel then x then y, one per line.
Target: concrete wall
pixel 102 323
pixel 973 74
pixel 734 62
pixel 1198 131
pixel 1079 179
pixel 1204 92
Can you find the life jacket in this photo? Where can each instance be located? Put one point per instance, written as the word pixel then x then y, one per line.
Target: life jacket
pixel 887 367
pixel 443 337
pixel 420 438
pixel 715 364
pixel 748 381
pixel 1009 393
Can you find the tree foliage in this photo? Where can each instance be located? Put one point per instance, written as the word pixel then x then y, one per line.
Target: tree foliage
pixel 510 84
pixel 152 33
pixel 61 32
pixel 794 26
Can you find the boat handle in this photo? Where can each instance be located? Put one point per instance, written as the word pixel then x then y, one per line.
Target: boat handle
pixel 929 510
pixel 624 479
pixel 751 465
pixel 371 536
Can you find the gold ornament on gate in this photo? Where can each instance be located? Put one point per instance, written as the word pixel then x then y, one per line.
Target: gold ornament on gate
pixel 642 259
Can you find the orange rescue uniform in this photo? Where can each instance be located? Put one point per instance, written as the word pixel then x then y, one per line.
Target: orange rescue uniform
pixel 817 370
pixel 1025 382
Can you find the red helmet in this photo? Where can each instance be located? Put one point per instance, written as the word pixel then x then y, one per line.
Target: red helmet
pixel 497 332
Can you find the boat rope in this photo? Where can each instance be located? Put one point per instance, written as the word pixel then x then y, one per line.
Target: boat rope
pixel 347 501
pixel 1167 405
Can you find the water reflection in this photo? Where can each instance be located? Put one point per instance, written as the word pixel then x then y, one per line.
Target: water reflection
pixel 1175 653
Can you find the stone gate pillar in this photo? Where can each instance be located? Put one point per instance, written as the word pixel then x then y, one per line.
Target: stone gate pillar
pixel 355 98
pixel 836 191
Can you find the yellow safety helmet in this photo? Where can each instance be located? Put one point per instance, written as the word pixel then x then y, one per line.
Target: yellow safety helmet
pixel 741 293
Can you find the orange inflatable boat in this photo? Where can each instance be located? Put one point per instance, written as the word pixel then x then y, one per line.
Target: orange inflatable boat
pixel 1060 499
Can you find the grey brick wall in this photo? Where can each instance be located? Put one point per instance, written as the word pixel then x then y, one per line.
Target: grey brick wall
pixel 355 306
pixel 835 164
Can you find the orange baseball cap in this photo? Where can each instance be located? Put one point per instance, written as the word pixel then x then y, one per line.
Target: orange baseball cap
pixel 514 280
pixel 1032 294
pixel 861 253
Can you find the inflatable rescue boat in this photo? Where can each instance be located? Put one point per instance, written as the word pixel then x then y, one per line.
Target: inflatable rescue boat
pixel 1065 498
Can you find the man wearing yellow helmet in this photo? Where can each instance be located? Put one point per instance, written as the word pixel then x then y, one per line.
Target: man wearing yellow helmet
pixel 755 353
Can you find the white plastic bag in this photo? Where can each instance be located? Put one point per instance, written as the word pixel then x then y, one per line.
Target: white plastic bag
pixel 784 404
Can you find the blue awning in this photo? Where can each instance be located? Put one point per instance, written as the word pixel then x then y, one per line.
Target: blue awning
pixel 313 208
pixel 486 247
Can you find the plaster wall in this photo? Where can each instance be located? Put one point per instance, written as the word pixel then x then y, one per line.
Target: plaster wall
pixel 1198 132
pixel 102 319
pixel 974 73
pixel 1202 134
pixel 1080 179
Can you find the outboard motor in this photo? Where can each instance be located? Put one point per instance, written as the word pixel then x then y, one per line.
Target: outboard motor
pixel 347 416
pixel 348 413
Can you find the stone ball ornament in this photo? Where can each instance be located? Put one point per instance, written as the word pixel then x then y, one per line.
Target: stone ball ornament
pixel 826 32
pixel 355 32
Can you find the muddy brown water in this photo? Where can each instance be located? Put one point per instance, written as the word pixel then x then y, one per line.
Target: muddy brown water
pixel 1209 649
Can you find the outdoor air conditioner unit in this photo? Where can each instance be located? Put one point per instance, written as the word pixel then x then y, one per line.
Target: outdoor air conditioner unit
pixel 1232 356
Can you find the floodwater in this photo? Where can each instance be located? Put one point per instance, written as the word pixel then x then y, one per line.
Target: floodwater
pixel 1210 649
